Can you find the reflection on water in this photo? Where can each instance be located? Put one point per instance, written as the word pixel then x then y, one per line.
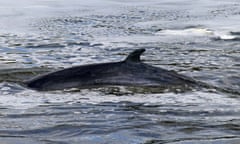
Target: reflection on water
pixel 197 39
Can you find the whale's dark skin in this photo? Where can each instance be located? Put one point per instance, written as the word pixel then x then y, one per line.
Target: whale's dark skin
pixel 130 72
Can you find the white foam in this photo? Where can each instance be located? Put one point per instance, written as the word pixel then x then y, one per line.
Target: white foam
pixel 223 34
pixel 186 32
pixel 29 98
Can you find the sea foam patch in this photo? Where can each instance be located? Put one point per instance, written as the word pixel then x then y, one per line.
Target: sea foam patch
pixel 223 34
pixel 25 98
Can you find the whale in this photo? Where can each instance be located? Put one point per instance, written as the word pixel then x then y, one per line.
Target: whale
pixel 129 72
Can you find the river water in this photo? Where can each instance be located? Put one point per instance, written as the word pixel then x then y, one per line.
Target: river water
pixel 200 39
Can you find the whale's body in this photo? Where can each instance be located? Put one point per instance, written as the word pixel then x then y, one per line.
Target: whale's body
pixel 130 72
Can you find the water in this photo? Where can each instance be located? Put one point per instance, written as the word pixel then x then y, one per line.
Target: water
pixel 197 39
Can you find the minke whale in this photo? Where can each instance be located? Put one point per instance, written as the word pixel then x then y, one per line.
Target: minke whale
pixel 129 72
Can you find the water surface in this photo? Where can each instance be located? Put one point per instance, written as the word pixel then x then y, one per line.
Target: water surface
pixel 197 39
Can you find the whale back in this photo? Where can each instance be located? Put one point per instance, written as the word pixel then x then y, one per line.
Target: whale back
pixel 130 72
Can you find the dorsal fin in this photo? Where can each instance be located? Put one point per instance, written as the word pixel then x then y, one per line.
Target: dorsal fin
pixel 135 55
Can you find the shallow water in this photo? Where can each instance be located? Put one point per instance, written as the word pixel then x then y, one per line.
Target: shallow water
pixel 197 39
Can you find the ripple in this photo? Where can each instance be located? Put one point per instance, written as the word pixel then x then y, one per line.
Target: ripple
pixel 19 74
pixel 123 120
